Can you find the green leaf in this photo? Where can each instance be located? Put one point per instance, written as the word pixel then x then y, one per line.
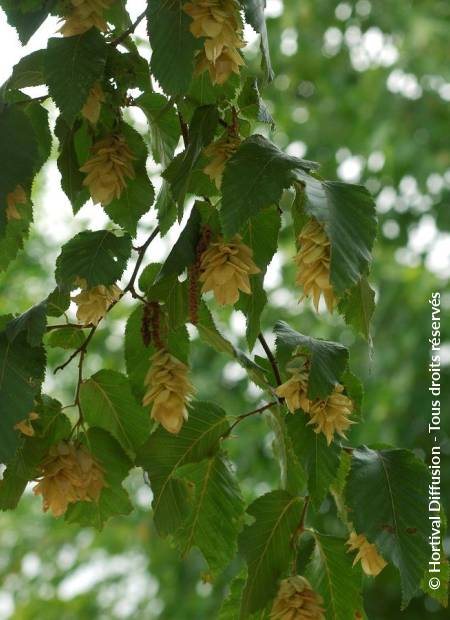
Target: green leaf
pixel 137 355
pixel 163 453
pixel 332 575
pixel 22 372
pixel 68 165
pixel 254 13
pixel 173 45
pixel 107 402
pixel 33 322
pixel 252 306
pixel 232 604
pixel 292 474
pixel 184 251
pixel 266 546
pixel 328 360
pixel 15 233
pixel 254 178
pixel 29 71
pixel 113 499
pixel 166 208
pixel 261 234
pixel 174 295
pixel 148 276
pixel 72 66
pixel 164 125
pixel 387 494
pixel 209 333
pixel 201 133
pixel 349 216
pixel 135 200
pixel 319 461
pixel 39 120
pixel 19 154
pixel 100 257
pixel 357 307
pixel 27 21
pixel 213 522
pixel 65 338
pixel 59 300
pixel 251 105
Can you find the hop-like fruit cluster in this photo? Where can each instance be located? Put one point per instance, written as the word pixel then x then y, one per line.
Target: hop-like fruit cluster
pixel 169 389
pixel 92 108
pixel 295 390
pixel 225 269
pixel 25 426
pixel 296 600
pixel 108 170
pixel 371 561
pixel 93 303
pixel 313 264
pixel 220 22
pixel 219 152
pixel 68 474
pixel 330 415
pixel 84 15
pixel 17 197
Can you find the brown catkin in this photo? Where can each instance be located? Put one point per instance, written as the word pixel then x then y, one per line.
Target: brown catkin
pixel 146 331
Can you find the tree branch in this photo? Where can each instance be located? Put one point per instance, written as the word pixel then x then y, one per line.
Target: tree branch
pixel 247 415
pixel 117 41
pixel 141 253
pixel 271 359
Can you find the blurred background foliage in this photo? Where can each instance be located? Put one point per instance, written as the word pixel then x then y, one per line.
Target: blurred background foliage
pixel 363 88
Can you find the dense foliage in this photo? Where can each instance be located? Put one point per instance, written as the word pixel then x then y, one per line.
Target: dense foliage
pixel 240 197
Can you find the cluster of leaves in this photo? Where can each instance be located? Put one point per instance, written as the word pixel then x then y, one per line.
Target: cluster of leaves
pixel 379 491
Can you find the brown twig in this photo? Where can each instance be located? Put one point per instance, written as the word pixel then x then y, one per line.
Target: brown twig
pixel 118 40
pixel 81 350
pixel 184 130
pixel 65 325
pixel 298 532
pixel 141 253
pixel 271 359
pixel 247 415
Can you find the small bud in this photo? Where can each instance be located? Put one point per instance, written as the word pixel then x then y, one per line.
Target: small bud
pixel 169 389
pixel 371 561
pixel 225 269
pixel 296 600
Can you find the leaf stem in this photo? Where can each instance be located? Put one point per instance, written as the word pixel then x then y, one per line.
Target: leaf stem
pixel 247 415
pixel 118 40
pixel 271 359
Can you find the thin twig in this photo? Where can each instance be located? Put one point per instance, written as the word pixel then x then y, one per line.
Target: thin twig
pixel 271 359
pixel 128 31
pixel 65 325
pixel 184 130
pixel 298 532
pixel 247 415
pixel 141 250
pixel 81 348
